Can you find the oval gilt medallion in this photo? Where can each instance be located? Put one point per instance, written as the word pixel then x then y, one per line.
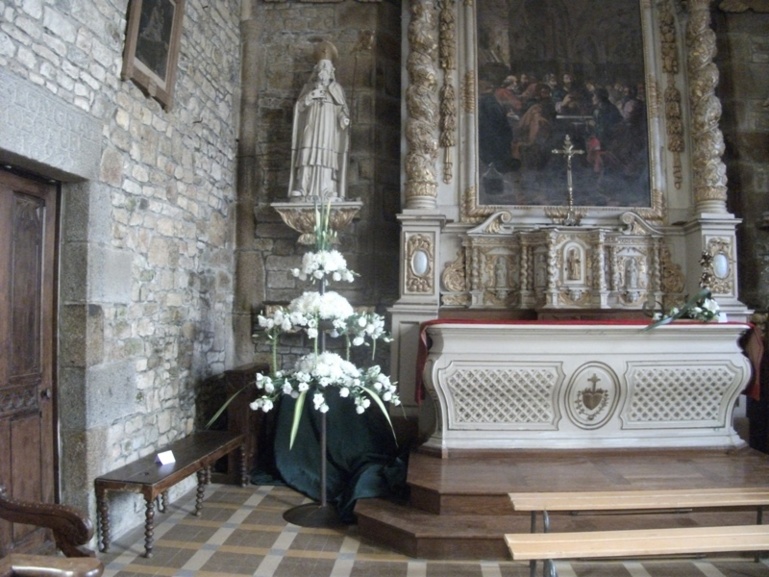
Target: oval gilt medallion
pixel 592 396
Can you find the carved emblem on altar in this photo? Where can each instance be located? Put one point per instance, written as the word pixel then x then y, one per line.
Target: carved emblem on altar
pixel 592 396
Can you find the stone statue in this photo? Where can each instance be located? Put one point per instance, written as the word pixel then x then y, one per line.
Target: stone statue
pixel 319 144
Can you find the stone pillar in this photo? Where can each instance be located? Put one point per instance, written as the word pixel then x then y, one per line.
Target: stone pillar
pixel 420 296
pixel 713 229
pixel 249 263
pixel 422 108
pixel 709 172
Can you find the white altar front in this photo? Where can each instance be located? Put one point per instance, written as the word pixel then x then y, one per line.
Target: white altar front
pixel 583 385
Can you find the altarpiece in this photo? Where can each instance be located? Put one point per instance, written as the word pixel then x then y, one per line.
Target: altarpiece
pixel 591 192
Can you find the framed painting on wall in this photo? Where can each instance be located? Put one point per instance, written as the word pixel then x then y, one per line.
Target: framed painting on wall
pixel 152 47
pixel 554 69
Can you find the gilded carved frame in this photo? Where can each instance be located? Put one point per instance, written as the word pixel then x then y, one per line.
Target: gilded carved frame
pixel 664 108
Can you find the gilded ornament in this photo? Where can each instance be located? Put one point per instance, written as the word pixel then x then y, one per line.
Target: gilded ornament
pixel 420 283
pixel 453 276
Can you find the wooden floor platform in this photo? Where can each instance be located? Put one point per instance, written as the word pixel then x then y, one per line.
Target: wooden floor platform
pixel 459 507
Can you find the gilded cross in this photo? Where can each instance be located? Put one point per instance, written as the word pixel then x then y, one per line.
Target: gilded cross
pixel 569 151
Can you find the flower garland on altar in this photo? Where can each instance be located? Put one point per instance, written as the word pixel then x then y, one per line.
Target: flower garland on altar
pixel 318 314
pixel 700 307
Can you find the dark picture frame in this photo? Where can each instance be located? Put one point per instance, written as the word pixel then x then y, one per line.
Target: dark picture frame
pixel 151 52
pixel 519 127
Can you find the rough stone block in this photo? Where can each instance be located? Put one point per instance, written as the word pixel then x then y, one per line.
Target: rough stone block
pixel 111 388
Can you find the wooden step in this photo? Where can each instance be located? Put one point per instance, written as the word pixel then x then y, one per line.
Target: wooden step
pixel 421 534
pixel 459 508
pixel 465 502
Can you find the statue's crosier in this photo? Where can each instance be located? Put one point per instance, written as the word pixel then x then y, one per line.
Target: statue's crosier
pixel 320 139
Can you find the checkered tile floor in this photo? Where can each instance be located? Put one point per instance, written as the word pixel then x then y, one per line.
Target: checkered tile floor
pixel 241 531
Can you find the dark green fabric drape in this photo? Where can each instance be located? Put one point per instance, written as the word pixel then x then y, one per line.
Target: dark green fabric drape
pixel 363 459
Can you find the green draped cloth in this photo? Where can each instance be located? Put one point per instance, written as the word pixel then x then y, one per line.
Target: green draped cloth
pixel 363 458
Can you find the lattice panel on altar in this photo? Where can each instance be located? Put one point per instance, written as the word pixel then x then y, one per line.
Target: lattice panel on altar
pixel 513 394
pixel 563 267
pixel 678 395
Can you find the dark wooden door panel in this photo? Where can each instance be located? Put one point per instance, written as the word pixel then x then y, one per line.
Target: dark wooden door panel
pixel 27 388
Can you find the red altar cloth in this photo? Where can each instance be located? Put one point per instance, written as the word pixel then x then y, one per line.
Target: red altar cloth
pixel 752 344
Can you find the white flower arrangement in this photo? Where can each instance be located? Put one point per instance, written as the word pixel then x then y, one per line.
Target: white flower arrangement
pixel 325 370
pixel 324 264
pixel 315 313
pixel 701 307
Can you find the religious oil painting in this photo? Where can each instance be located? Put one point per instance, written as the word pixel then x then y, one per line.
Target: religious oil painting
pixel 152 46
pixel 553 70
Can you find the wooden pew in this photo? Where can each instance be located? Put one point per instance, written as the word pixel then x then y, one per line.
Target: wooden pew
pixel 627 502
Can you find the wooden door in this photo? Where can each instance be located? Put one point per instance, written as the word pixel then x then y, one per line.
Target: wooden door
pixel 27 246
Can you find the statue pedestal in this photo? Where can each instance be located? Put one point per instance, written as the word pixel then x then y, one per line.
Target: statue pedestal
pixel 301 216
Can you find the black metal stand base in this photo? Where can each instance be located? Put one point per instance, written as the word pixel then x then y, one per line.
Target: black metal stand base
pixel 313 515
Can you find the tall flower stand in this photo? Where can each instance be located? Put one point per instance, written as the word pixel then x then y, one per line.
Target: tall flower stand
pixel 319 514
pixel 361 460
pixel 320 379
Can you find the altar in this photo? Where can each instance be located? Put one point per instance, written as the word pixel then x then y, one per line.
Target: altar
pixel 498 386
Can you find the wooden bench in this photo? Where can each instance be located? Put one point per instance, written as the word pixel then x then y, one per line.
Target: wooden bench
pixel 635 543
pixel 193 454
pixel 631 502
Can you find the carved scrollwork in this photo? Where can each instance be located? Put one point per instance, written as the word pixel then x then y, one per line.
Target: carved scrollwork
pixel 468 92
pixel 668 42
pixel 453 276
pixel 448 98
pixel 672 277
pixel 497 223
pixel 448 138
pixel 673 112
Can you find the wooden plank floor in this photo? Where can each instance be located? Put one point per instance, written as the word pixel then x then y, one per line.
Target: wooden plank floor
pixel 459 507
pixel 589 470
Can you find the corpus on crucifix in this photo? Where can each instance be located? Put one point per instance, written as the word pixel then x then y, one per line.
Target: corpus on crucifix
pixel 571 218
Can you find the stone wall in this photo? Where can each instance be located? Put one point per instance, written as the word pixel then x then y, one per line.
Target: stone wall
pixel 147 265
pixel 279 40
pixel 743 60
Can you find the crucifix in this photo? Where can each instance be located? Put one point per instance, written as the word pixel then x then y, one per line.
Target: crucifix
pixel 568 150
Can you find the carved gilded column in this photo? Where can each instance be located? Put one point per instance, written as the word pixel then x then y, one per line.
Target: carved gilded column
pixel 709 172
pixel 422 108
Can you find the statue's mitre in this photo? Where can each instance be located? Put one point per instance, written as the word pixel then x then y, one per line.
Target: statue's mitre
pixel 325 51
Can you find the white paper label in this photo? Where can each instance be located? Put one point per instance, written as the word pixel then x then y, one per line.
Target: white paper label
pixel 165 458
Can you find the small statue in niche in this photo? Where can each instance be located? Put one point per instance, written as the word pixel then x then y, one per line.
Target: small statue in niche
pixel 631 274
pixel 500 278
pixel 319 143
pixel 573 265
pixel 632 294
